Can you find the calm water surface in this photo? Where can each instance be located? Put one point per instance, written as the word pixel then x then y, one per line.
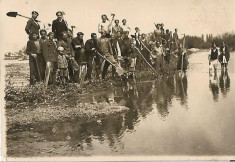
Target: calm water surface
pixel 192 115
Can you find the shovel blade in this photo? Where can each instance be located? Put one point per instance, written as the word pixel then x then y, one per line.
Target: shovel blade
pixel 12 14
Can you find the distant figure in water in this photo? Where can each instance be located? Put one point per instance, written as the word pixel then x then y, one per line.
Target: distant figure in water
pixel 213 58
pixel 224 56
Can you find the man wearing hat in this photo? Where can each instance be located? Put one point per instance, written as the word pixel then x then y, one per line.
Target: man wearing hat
pixel 59 25
pixel 32 25
pixel 91 49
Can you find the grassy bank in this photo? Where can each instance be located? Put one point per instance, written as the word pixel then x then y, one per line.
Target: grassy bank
pixel 27 104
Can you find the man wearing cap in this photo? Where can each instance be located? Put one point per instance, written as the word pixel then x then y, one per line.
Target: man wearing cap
pixel 32 25
pixel 91 49
pixel 79 48
pixel 50 55
pixel 59 25
pixel 105 26
pixel 33 49
pixel 69 53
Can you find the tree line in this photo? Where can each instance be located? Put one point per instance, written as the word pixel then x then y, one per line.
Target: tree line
pixel 205 41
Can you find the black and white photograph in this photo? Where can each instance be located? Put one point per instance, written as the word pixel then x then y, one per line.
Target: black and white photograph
pixel 117 79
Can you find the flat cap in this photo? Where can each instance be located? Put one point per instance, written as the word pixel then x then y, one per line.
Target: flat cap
pixel 35 12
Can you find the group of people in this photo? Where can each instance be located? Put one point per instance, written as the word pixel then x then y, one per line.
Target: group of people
pixel 218 55
pixel 58 53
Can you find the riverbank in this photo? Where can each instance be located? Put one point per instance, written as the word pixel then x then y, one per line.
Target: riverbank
pixel 27 104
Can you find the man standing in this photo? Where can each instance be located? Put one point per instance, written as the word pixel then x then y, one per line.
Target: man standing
pixel 224 56
pixel 91 47
pixel 32 25
pixel 176 39
pixel 116 28
pixel 107 51
pixel 33 49
pixel 182 59
pixel 158 34
pixel 69 53
pixel 157 57
pixel 105 26
pixel 126 49
pixel 42 63
pixel 79 48
pixel 59 25
pixel 125 27
pixel 213 58
pixel 50 55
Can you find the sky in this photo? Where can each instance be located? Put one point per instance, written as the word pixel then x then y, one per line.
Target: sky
pixel 191 17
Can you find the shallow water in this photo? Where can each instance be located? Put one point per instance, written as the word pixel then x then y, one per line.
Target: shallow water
pixel 189 115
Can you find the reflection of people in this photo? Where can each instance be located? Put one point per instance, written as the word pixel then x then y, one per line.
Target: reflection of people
pixel 181 87
pixel 224 55
pixel 213 85
pixel 213 58
pixel 224 82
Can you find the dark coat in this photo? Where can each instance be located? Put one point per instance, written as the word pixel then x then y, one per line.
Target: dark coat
pixel 31 48
pixel 32 27
pixel 90 43
pixel 68 49
pixel 226 54
pixel 59 27
pixel 49 51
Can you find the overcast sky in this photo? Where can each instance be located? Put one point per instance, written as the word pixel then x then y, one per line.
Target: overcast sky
pixel 193 17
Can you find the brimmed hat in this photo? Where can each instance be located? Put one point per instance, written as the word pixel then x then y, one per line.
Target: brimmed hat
pixel 80 33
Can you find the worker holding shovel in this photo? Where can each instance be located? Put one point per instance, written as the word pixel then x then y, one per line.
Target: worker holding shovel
pixel 33 49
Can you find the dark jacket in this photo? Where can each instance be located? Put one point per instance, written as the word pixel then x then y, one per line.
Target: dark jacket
pixel 79 42
pixel 31 48
pixel 68 49
pixel 59 27
pixel 226 54
pixel 49 51
pixel 32 27
pixel 91 43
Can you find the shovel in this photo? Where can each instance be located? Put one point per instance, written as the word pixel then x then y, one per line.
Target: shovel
pixel 14 14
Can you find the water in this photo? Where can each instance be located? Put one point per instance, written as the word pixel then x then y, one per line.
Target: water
pixel 192 115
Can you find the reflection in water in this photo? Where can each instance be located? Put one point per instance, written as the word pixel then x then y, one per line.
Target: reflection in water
pixel 223 83
pixel 181 87
pixel 214 85
pixel 81 135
